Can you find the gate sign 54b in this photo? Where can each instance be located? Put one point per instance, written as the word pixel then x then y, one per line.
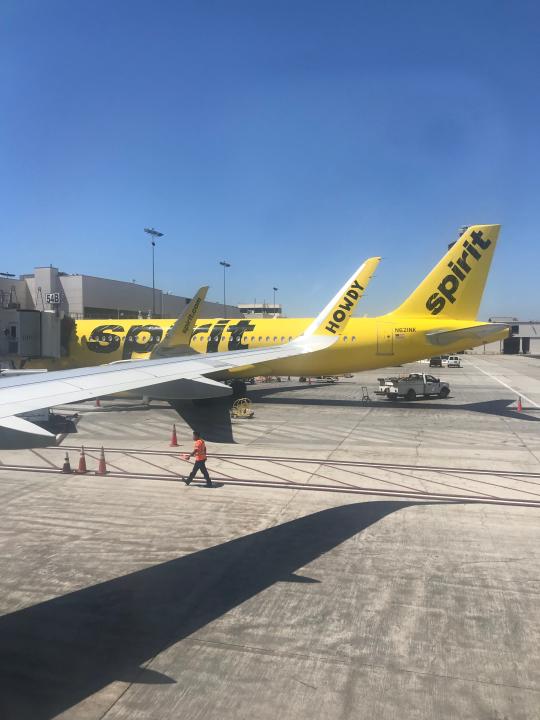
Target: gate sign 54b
pixel 52 298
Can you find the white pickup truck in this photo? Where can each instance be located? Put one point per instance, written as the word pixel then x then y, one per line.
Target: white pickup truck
pixel 411 386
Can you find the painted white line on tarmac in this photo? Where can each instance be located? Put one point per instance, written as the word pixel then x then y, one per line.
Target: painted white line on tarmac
pixel 518 392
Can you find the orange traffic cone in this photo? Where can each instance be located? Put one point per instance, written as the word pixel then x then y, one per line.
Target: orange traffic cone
pixel 82 463
pixel 174 439
pixel 102 467
pixel 519 405
pixel 66 467
pixel 98 403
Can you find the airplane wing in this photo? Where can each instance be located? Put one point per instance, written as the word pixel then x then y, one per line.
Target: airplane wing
pixel 475 333
pixel 23 394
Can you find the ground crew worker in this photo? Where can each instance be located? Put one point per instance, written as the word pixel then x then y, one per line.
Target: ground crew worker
pixel 199 452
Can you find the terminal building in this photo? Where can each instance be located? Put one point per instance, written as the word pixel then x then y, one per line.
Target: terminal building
pixel 524 338
pixel 32 306
pixel 261 310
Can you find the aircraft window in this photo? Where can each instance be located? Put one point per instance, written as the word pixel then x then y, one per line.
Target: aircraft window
pixel 353 339
pixel 345 339
pixel 282 339
pixel 290 338
pixel 275 339
pixel 260 338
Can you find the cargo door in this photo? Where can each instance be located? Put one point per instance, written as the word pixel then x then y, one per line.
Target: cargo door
pixel 385 339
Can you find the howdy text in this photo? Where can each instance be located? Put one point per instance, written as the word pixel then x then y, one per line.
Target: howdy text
pixel 343 310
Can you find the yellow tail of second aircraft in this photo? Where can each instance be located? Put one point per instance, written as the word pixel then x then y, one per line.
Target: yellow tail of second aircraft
pixel 453 289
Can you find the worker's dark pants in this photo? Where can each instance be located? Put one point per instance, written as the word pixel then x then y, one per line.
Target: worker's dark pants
pixel 200 465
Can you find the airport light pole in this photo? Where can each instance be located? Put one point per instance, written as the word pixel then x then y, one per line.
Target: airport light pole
pixel 153 234
pixel 275 291
pixel 225 266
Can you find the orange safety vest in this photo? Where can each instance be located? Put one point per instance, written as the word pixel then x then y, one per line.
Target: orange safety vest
pixel 200 450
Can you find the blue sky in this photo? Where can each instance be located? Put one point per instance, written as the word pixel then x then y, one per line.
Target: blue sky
pixel 293 139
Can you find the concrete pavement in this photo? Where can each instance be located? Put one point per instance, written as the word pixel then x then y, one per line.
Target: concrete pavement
pixel 132 598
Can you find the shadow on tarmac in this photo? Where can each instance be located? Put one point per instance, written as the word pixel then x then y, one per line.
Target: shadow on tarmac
pixel 488 407
pixel 56 653
pixel 211 418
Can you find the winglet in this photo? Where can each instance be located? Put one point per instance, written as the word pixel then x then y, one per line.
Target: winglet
pixel 178 336
pixel 335 316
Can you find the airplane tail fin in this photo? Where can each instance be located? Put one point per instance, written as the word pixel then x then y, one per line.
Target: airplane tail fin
pixel 332 320
pixel 178 337
pixel 454 288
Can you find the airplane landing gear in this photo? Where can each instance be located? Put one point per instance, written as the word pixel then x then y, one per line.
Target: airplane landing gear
pixel 239 388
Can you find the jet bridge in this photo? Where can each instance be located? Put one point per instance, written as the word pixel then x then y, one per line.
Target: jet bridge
pixel 26 334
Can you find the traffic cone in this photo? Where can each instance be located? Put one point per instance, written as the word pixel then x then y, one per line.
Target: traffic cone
pixel 519 405
pixel 66 467
pixel 102 467
pixel 98 403
pixel 174 439
pixel 82 463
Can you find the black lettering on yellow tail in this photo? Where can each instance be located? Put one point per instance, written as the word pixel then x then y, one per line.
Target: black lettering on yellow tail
pixel 454 287
pixel 343 310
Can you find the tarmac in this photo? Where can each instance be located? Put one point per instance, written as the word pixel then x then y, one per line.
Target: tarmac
pixel 355 559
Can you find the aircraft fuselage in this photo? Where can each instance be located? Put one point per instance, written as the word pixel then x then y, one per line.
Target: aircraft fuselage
pixel 367 344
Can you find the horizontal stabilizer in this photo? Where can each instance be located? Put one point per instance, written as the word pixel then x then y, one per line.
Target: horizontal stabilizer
pixel 477 332
pixel 21 425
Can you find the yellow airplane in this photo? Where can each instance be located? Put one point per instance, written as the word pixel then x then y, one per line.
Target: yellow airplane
pixel 439 316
